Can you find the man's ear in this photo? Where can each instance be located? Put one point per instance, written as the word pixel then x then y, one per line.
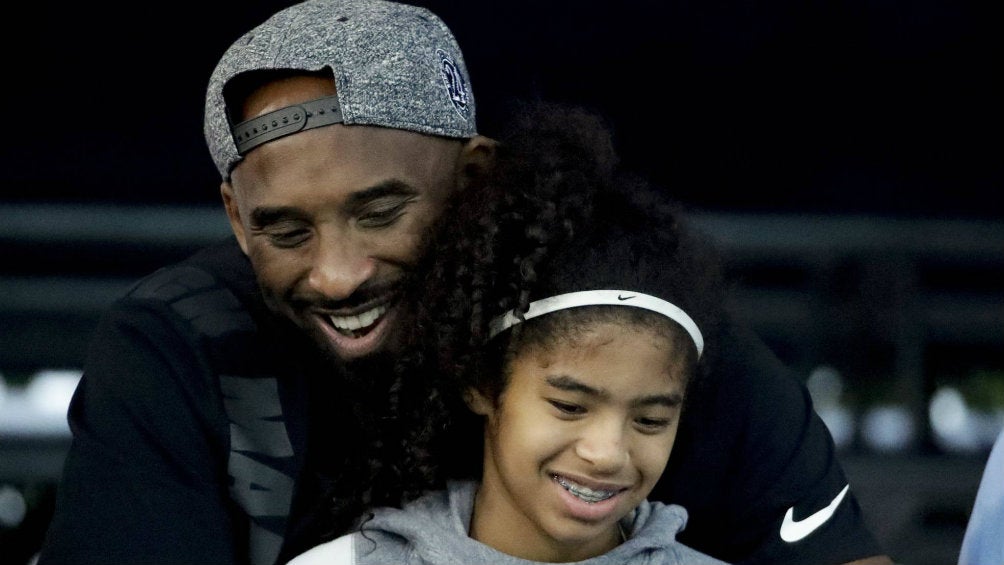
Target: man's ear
pixel 234 214
pixel 477 157
pixel 478 402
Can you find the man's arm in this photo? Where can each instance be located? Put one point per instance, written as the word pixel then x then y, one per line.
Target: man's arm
pixel 145 478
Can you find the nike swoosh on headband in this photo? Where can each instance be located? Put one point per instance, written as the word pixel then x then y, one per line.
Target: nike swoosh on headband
pixel 792 530
pixel 600 298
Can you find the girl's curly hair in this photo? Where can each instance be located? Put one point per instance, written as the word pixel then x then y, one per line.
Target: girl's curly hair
pixel 555 215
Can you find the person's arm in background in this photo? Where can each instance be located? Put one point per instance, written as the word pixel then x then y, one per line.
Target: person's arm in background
pixel 145 480
pixel 757 470
pixel 983 543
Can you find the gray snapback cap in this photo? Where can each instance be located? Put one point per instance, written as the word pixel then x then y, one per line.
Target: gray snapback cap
pixel 395 65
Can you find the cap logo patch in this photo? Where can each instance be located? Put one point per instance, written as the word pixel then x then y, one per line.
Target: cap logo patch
pixel 456 86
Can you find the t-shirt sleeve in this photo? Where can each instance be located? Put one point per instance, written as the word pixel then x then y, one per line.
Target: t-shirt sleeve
pixel 757 469
pixel 145 477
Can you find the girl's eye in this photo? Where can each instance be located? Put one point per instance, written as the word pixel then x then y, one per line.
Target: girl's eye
pixel 567 408
pixel 653 425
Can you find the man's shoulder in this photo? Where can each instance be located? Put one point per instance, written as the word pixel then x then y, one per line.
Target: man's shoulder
pixel 746 381
pixel 754 414
pixel 745 354
pixel 210 295
pixel 222 265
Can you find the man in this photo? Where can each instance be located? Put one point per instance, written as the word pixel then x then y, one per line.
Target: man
pixel 339 130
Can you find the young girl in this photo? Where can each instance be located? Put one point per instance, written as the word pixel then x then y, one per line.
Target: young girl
pixel 568 311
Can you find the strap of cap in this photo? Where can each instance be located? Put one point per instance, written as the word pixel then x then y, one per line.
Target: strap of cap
pixel 596 298
pixel 285 121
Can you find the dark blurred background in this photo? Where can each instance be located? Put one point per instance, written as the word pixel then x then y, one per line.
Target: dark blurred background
pixel 860 106
pixel 847 155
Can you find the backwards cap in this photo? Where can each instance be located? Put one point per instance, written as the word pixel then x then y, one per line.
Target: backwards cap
pixel 395 65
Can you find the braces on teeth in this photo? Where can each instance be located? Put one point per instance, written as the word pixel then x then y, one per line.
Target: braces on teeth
pixel 586 494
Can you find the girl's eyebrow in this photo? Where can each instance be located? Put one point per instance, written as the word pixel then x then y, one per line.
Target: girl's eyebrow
pixel 568 383
pixel 667 400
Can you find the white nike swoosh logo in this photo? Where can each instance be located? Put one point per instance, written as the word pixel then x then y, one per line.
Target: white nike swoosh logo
pixel 792 531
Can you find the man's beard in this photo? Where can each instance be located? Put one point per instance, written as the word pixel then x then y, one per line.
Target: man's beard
pixel 375 373
pixel 372 374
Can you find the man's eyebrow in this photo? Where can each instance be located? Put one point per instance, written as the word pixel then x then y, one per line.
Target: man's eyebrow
pixel 267 215
pixel 391 187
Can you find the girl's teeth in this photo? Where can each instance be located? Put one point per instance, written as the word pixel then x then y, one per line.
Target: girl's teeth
pixel 584 493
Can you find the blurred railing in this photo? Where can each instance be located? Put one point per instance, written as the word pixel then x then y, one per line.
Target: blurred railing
pixel 897 325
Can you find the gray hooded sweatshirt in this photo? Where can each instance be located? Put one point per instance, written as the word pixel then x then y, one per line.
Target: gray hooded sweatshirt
pixel 432 530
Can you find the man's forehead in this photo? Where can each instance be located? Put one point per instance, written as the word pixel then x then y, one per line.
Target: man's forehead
pixel 278 102
pixel 281 105
pixel 347 159
pixel 281 92
pixel 356 148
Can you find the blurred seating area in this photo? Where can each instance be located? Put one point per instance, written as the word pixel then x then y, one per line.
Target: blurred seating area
pixel 896 325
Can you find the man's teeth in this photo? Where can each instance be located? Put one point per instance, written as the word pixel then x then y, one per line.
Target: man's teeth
pixel 349 324
pixel 584 493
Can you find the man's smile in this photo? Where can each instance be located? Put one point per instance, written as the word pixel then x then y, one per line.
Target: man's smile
pixel 360 324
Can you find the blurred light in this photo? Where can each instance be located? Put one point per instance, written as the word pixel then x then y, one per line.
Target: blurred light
pixel 39 407
pixel 826 386
pixel 840 422
pixel 13 507
pixel 49 391
pixel 888 427
pixel 948 413
pixel 957 427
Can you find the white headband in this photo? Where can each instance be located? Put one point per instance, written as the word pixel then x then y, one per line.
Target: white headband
pixel 600 297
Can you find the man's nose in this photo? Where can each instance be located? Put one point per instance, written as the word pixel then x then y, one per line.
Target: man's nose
pixel 603 444
pixel 340 266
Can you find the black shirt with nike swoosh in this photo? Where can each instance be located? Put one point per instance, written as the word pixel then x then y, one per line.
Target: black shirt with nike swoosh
pixel 757 469
pixel 190 430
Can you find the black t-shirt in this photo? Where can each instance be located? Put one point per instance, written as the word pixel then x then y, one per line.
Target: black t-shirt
pixel 190 431
pixel 749 448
